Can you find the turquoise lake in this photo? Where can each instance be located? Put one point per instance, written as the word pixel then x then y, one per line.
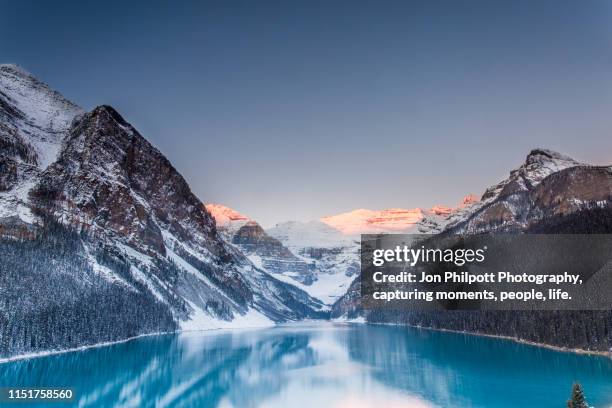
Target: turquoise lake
pixel 318 365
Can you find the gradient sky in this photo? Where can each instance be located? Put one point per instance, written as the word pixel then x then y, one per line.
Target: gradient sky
pixel 294 110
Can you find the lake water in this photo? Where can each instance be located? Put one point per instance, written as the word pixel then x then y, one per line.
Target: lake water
pixel 322 365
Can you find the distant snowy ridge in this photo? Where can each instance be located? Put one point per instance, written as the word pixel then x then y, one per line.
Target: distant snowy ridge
pixel 395 220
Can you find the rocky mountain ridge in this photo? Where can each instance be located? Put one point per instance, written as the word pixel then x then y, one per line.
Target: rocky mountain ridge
pixel 547 185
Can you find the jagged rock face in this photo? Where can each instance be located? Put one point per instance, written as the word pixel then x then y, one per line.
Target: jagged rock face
pixel 573 189
pixel 262 249
pixel 273 256
pixel 122 184
pixel 113 184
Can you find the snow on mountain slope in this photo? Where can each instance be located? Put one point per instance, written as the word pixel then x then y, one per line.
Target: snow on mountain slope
pixel 437 218
pixel 335 256
pixel 539 164
pixel 43 115
pixel 395 220
pixel 33 123
pixel 112 183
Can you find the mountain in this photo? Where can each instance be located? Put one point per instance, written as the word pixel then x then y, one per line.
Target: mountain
pixel 432 221
pixel 33 122
pixel 547 186
pixel 228 220
pixel 93 217
pixel 332 245
pixel 333 255
pixel 311 256
pixel 364 221
pixel 262 249
pixel 102 239
pixel 548 193
pixel 321 257
pixel 394 220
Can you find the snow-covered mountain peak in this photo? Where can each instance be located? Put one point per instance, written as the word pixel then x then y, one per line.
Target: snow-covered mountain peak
pixel 539 164
pixel 34 122
pixel 537 188
pixel 542 155
pixel 394 220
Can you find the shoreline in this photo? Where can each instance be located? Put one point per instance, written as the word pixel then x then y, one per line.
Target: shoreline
pixel 607 354
pixel 46 353
pixel 27 356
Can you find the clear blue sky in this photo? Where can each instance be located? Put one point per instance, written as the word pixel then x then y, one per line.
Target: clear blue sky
pixel 297 109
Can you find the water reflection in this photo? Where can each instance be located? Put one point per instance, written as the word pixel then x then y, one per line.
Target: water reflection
pixel 320 365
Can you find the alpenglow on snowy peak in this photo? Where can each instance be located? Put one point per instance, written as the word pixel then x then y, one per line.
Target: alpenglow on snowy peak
pixel 395 220
pixel 93 217
pixel 228 220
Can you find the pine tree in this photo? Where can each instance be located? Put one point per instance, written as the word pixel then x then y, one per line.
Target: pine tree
pixel 578 400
